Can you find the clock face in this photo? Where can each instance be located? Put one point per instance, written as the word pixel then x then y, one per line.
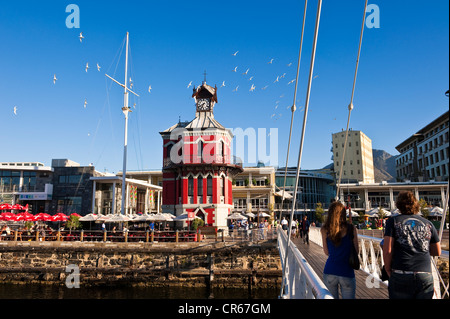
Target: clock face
pixel 203 105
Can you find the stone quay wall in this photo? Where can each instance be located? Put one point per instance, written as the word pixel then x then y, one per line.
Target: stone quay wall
pixel 215 264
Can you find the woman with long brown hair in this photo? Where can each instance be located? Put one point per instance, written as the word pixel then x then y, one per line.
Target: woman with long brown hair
pixel 336 238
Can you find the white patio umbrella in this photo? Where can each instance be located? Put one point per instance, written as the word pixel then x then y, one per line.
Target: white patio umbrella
pixel 263 215
pixel 373 212
pixel 160 217
pixel 354 214
pixel 169 216
pixel 236 216
pixel 118 219
pixel 103 218
pixel 184 217
pixel 436 211
pixel 89 218
pixel 250 215
pixel 143 218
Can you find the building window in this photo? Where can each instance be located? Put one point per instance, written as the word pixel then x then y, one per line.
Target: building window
pixel 70 179
pixel 169 149
pixel 200 149
pixel 240 182
pixel 209 185
pixel 200 186
pixel 223 185
pixel 69 205
pixel 191 186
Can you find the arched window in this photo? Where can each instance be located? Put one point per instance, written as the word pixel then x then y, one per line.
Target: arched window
pixel 169 149
pixel 209 183
pixel 191 186
pixel 200 186
pixel 200 149
pixel 224 183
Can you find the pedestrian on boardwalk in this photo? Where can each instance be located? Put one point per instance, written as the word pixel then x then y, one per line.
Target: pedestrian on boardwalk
pixel 305 229
pixel 284 224
pixel 337 244
pixel 409 242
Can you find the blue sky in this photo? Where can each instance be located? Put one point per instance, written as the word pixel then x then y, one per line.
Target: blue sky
pixel 403 74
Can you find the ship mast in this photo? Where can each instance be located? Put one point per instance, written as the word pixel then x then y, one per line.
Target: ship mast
pixel 126 110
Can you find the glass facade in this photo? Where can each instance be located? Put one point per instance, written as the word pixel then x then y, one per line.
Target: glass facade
pixel 313 187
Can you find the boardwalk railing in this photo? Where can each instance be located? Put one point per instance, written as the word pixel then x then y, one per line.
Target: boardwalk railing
pixel 300 280
pixel 371 257
pixel 251 235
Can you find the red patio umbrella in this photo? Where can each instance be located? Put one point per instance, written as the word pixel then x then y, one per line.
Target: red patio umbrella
pixel 60 217
pixel 76 215
pixel 27 217
pixel 5 206
pixel 17 207
pixel 7 217
pixel 43 217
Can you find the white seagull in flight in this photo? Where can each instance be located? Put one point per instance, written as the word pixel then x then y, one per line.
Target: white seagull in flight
pixel 252 89
pixel 246 72
pixel 98 67
pixel 189 85
pixel 150 89
pixel 234 54
pixel 81 37
pixel 271 61
pixel 54 79
pixel 235 69
pixel 15 110
pixel 223 84
pixel 85 103
pixel 87 67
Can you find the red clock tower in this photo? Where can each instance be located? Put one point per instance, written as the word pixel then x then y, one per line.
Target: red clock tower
pixel 198 167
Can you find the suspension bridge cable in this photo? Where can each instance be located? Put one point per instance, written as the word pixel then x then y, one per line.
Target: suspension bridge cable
pixel 308 92
pixel 444 215
pixel 350 107
pixel 293 109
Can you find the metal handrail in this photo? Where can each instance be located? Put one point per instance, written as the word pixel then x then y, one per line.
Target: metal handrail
pixel 301 281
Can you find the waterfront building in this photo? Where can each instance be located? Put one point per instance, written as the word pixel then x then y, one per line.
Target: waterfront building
pixel 27 183
pixel 358 161
pixel 198 168
pixel 314 186
pixel 67 187
pixel 254 191
pixel 141 196
pixel 424 156
pixel 362 197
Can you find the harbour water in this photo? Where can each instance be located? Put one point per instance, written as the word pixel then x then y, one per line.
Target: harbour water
pixel 45 292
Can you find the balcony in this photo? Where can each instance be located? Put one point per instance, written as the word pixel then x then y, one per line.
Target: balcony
pixel 195 159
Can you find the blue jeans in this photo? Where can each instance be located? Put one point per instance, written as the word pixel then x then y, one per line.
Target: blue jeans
pixel 418 286
pixel 347 285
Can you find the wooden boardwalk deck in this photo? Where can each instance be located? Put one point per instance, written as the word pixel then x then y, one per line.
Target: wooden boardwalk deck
pixel 315 256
